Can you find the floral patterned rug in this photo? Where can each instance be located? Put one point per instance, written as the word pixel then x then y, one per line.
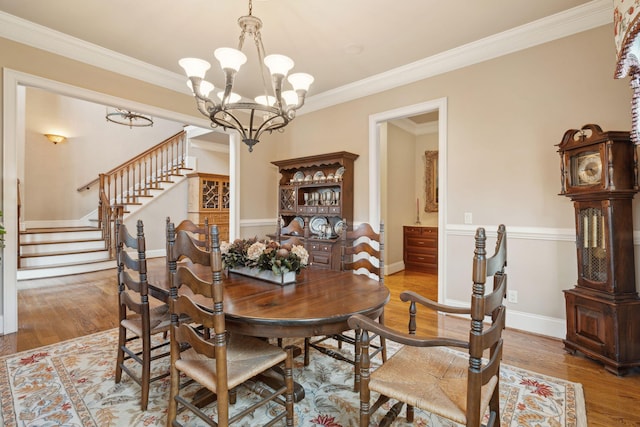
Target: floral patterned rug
pixel 72 384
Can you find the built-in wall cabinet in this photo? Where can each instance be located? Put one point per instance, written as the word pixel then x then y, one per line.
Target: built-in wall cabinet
pixel 209 198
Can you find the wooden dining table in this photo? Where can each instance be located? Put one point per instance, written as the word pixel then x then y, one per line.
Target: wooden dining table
pixel 320 302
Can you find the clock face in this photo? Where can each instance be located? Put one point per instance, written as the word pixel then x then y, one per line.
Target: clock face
pixel 587 169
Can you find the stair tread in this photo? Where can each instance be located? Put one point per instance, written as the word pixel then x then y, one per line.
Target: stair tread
pixel 59 229
pixel 49 254
pixel 58 242
pixel 44 267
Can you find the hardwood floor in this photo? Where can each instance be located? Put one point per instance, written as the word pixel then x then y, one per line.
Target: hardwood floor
pixel 83 304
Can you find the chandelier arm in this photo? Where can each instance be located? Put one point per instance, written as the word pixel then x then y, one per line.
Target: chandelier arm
pixel 229 77
pixel 277 81
pixel 221 121
pixel 267 125
pixel 302 94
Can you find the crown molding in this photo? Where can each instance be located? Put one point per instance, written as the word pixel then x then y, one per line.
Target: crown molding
pixel 41 37
pixel 581 18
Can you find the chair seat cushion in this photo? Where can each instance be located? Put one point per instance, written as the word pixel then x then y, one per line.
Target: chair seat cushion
pixel 159 319
pixel 246 358
pixel 439 388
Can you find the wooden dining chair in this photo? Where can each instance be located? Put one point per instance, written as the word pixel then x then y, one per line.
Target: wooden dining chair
pixel 141 315
pixel 199 234
pixel 425 373
pixel 225 361
pixel 362 251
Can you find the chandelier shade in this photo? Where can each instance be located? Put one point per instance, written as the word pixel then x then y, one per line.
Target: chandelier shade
pixel 269 111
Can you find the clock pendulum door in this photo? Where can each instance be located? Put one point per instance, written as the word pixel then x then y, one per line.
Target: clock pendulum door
pixel 593 245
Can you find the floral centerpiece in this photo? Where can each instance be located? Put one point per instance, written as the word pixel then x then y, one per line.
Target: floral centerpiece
pixel 265 259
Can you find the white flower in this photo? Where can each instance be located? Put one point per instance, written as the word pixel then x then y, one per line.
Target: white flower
pixel 302 253
pixel 224 247
pixel 255 250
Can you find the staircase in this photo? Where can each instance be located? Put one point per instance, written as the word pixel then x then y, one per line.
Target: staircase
pixel 51 252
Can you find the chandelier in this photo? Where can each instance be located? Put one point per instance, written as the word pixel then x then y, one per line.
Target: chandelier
pixel 128 118
pixel 270 111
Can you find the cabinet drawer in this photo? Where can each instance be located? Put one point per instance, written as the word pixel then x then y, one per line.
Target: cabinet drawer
pixel 320 259
pixel 334 210
pixel 426 258
pixel 320 247
pixel 422 242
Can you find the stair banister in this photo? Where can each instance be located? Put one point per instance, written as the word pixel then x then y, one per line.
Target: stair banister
pixel 125 184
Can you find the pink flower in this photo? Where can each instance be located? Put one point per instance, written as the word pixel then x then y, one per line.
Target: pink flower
pixel 326 421
pixel 35 357
pixel 538 388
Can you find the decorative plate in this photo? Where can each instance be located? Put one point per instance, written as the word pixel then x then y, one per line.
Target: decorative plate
pixel 316 223
pixel 318 176
pixel 338 227
pixel 339 172
pixel 298 176
pixel 300 221
pixel 308 178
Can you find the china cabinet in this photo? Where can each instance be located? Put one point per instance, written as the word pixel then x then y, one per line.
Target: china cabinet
pixel 421 248
pixel 599 172
pixel 317 192
pixel 209 198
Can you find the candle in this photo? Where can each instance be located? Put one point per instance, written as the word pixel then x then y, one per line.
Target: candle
pixel 585 232
pixel 418 207
pixel 594 240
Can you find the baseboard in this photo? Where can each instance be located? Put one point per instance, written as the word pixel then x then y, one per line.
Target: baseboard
pixel 393 268
pixel 528 322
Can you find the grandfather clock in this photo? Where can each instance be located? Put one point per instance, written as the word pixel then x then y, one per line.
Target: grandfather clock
pixel 599 172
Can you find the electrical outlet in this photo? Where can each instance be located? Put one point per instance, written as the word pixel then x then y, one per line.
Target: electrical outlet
pixel 512 296
pixel 468 218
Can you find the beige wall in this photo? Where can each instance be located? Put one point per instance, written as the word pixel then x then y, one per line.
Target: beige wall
pixel 401 200
pixel 504 118
pixel 53 173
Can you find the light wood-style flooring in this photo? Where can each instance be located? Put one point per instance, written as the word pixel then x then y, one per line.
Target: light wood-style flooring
pixel 83 304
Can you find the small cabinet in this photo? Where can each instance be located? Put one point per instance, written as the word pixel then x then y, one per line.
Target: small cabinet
pixel 317 192
pixel 421 249
pixel 209 198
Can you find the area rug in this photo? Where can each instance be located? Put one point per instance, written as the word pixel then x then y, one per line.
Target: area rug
pixel 72 384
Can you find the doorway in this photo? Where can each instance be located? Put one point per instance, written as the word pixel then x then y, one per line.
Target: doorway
pixel 378 172
pixel 14 89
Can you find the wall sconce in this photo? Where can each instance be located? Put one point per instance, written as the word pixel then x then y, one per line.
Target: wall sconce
pixel 55 138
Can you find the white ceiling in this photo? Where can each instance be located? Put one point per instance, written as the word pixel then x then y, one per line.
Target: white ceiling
pixel 340 42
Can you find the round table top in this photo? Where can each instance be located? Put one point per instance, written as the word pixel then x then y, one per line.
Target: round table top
pixel 319 303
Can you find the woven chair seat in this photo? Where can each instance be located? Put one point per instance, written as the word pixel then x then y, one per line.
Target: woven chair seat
pixel 440 388
pixel 246 358
pixel 159 320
